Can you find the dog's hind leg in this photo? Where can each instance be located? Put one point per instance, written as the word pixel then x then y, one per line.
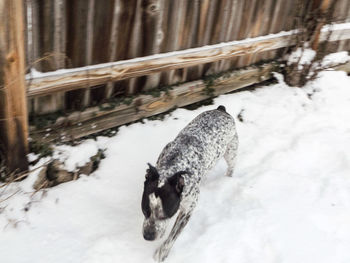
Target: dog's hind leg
pixel 231 154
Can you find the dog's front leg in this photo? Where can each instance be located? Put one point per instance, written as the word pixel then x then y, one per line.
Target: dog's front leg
pixel 163 251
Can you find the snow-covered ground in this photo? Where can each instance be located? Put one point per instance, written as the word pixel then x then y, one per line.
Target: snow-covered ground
pixel 289 199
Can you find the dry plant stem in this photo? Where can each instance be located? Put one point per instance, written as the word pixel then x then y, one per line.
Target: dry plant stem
pixel 24 175
pixel 42 186
pixel 10 196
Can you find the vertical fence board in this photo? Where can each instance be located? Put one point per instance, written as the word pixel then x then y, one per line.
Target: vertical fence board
pixel 101 50
pixel 76 47
pixel 135 43
pixel 208 10
pixel 234 33
pixel 175 26
pixel 152 35
pixel 52 48
pixel 219 30
pixel 59 46
pixel 278 23
pixel 189 39
pixel 245 30
pixel 126 46
pixel 32 44
pixel 341 14
pixel 113 42
pixel 256 27
pixel 89 45
pixel 224 29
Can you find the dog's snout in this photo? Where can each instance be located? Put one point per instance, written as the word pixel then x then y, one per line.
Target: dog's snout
pixel 149 235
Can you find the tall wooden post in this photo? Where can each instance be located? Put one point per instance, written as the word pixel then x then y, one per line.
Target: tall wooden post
pixel 13 101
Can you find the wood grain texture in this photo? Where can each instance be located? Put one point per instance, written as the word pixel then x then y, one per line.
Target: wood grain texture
pixel 173 27
pixel 76 78
pixel 94 119
pixel 32 52
pixel 13 101
pixel 114 30
pixel 153 36
pixel 101 74
pixel 113 43
pixel 47 43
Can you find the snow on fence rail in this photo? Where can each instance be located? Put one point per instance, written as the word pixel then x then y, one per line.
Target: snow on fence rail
pixel 84 77
pixel 109 115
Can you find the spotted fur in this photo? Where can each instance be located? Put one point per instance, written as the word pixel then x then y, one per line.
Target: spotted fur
pixel 181 166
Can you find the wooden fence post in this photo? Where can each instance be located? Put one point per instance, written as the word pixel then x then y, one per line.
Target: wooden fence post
pixel 13 100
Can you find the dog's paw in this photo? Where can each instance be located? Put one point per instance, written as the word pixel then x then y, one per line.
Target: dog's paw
pixel 160 254
pixel 229 173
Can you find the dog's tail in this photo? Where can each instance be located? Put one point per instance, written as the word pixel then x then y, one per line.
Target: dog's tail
pixel 221 108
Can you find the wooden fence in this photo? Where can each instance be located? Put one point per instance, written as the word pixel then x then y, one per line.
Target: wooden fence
pixel 109 50
pixel 70 34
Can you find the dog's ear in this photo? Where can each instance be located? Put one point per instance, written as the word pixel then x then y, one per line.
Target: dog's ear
pixel 177 181
pixel 152 173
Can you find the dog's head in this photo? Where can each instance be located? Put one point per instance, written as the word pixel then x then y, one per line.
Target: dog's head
pixel 160 201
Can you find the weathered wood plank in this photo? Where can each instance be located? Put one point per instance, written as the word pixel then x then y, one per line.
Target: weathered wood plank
pixel 32 44
pixel 89 46
pixel 112 47
pixel 135 49
pixel 250 6
pixel 236 14
pixel 225 30
pixel 76 78
pixel 59 47
pixel 102 73
pixel 13 100
pixel 77 13
pixel 257 27
pixel 206 25
pixel 127 42
pixel 274 23
pixel 190 36
pixel 49 39
pixel 94 119
pixel 33 34
pixel 174 29
pixel 153 36
pixel 341 13
pixel 219 31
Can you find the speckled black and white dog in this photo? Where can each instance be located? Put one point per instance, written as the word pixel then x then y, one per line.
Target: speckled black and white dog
pixel 173 185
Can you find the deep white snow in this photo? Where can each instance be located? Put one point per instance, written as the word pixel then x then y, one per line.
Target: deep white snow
pixel 289 199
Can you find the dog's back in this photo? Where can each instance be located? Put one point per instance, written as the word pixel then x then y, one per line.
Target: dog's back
pixel 199 145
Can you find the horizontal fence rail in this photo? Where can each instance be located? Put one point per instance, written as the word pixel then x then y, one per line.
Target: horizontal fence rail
pixel 84 77
pixel 106 116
